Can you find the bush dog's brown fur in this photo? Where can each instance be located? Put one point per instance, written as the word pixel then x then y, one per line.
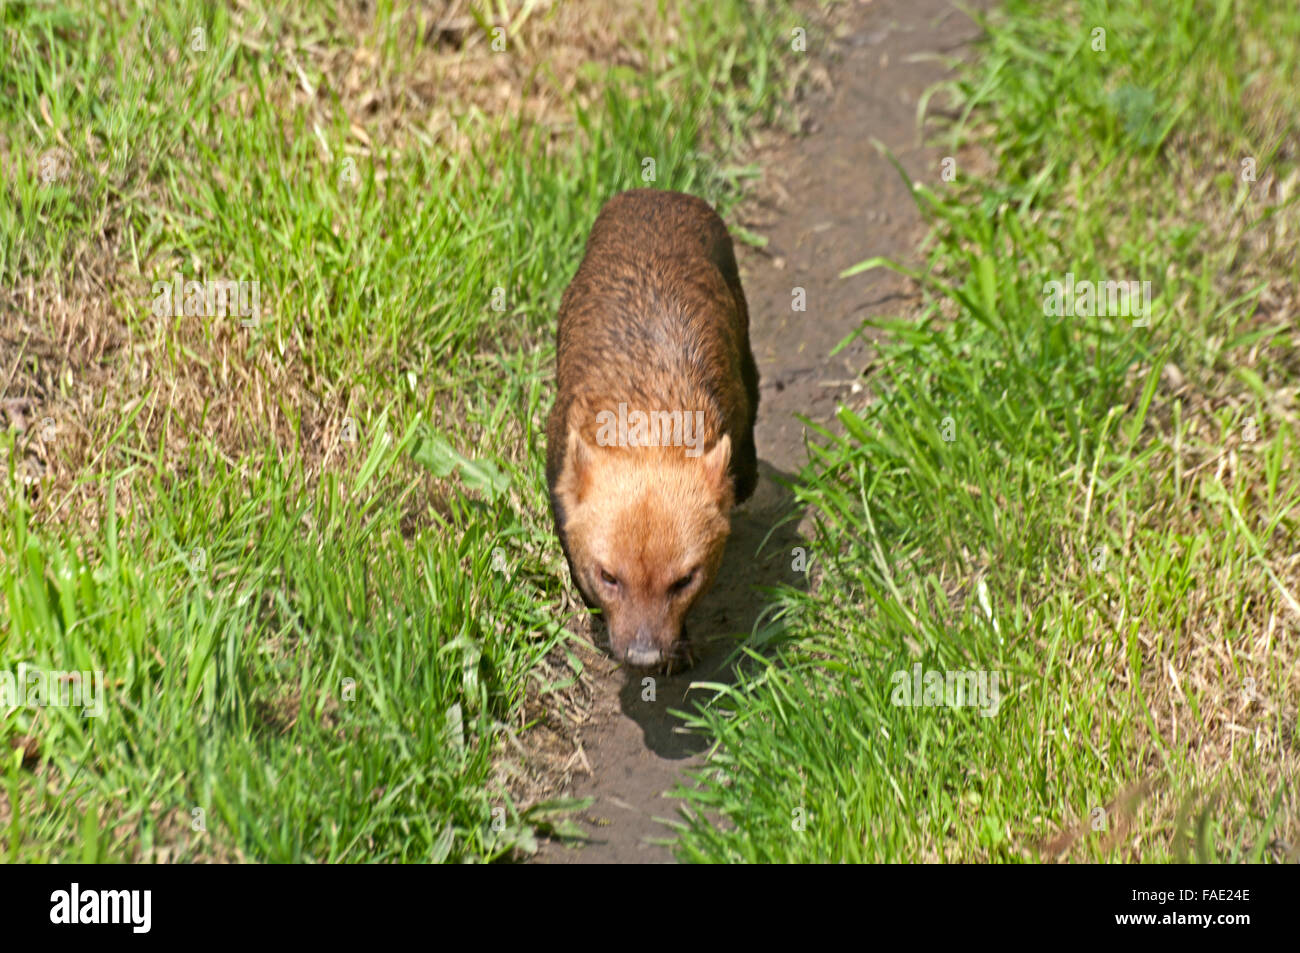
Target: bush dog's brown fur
pixel 654 319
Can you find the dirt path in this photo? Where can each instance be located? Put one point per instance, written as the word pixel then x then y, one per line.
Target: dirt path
pixel 828 201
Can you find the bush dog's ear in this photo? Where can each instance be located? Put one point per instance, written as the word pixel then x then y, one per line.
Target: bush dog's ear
pixel 715 463
pixel 577 468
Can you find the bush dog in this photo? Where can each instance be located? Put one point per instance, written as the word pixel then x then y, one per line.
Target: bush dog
pixel 651 440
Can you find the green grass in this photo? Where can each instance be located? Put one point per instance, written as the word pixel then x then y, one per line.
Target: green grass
pixel 319 650
pixel 315 694
pixel 315 649
pixel 1116 546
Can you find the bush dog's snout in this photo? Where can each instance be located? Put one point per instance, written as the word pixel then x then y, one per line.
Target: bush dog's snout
pixel 651 440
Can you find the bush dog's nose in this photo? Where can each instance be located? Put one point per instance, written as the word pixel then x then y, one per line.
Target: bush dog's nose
pixel 643 653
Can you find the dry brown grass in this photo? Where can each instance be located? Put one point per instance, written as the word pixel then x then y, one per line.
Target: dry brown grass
pixel 1222 690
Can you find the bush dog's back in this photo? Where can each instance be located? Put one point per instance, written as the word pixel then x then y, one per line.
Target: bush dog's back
pixel 651 440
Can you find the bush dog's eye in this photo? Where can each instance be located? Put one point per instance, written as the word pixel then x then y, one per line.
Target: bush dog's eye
pixel 682 583
pixel 608 579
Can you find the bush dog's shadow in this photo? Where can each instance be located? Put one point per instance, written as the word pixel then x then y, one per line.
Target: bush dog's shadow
pixel 723 618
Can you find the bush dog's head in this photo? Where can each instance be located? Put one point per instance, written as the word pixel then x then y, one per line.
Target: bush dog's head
pixel 645 528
